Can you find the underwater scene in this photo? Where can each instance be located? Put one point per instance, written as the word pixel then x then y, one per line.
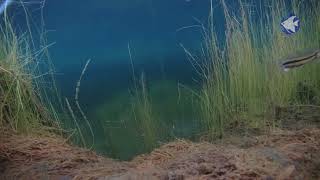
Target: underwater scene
pixel 159 89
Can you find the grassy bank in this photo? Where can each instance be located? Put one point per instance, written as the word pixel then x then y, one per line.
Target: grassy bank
pixel 244 83
pixel 25 106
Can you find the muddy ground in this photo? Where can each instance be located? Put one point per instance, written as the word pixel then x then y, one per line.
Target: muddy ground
pixel 290 153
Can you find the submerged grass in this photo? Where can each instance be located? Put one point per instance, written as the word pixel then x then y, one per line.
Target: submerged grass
pixel 29 99
pixel 155 112
pixel 142 110
pixel 243 82
pixel 144 116
pixel 22 105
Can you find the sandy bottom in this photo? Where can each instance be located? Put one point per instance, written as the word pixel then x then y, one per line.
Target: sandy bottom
pixel 283 154
pixel 278 155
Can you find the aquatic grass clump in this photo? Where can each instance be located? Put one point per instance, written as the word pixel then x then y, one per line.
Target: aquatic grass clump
pixel 150 114
pixel 142 109
pixel 22 106
pixel 243 82
pixel 144 116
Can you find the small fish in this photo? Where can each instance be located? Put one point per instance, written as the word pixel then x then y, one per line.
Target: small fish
pixel 291 24
pixel 4 4
pixel 300 60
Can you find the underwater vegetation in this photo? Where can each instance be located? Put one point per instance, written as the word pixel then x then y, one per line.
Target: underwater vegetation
pixel 150 115
pixel 243 80
pixel 242 85
pixel 25 106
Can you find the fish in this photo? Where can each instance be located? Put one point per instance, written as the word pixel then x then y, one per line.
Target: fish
pixel 301 60
pixel 291 24
pixel 4 4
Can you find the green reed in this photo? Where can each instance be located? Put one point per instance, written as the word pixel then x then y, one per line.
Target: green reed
pixel 243 82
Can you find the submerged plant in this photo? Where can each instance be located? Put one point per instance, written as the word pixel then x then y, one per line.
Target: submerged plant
pixel 23 105
pixel 243 82
pixel 144 115
pixel 142 110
